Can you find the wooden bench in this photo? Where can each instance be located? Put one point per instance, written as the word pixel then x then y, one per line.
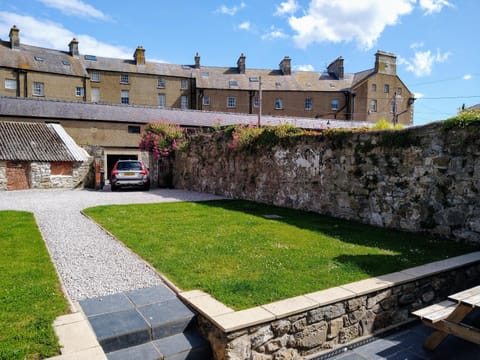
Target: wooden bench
pixel 446 317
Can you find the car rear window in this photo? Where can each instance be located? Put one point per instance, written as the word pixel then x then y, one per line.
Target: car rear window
pixel 129 166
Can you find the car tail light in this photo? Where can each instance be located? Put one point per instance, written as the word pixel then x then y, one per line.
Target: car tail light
pixel 114 173
pixel 144 172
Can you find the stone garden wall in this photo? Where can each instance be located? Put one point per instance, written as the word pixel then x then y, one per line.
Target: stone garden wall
pixel 424 179
pixel 335 325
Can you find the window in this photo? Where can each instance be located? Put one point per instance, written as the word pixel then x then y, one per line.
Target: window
pixel 399 91
pixel 161 83
pixel 184 102
pixel 374 87
pixel 256 102
pixel 373 105
pixel 10 84
pixel 308 104
pixel 133 129
pixel 184 84
pixel 392 107
pixel 90 57
pixel 278 104
pixel 66 62
pixel 124 78
pixel 162 100
pixel 124 97
pixel 95 94
pixel 205 74
pixel 233 83
pixel 95 76
pixel 254 79
pixel 206 100
pixel 79 91
pixel 386 88
pixel 334 104
pixel 38 58
pixel 231 102
pixel 38 89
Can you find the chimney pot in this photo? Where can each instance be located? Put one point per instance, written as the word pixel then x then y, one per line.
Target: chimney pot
pixel 73 47
pixel 197 61
pixel 241 64
pixel 286 66
pixel 139 55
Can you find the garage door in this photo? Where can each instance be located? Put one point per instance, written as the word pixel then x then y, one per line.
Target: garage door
pixel 17 175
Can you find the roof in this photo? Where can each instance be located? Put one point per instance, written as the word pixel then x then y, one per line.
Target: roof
pixel 40 59
pixel 51 109
pixel 22 141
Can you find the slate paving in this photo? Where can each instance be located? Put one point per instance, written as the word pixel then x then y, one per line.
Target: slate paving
pixel 406 344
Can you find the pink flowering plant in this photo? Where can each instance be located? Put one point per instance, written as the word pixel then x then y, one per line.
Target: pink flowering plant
pixel 162 139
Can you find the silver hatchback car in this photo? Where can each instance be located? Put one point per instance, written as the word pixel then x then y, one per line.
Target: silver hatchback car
pixel 129 173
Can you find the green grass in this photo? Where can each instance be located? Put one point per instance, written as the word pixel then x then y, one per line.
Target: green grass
pixel 30 295
pixel 228 249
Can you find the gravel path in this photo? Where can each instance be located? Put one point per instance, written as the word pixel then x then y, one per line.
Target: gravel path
pixel 89 261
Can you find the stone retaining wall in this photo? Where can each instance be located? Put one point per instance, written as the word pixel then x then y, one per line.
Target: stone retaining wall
pixel 424 179
pixel 332 318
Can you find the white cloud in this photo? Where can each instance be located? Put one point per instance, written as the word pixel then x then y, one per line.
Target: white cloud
pixel 423 62
pixel 75 8
pixel 245 26
pixel 417 45
pixel 346 20
pixel 230 10
pixel 274 33
pixel 467 77
pixel 433 6
pixel 288 7
pixel 418 95
pixel 306 67
pixel 53 35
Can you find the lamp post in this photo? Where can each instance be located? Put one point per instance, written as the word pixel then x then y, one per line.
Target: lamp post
pixel 259 101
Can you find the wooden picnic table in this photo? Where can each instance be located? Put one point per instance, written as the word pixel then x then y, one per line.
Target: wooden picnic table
pixel 447 318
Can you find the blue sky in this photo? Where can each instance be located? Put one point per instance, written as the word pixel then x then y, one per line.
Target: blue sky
pixel 435 40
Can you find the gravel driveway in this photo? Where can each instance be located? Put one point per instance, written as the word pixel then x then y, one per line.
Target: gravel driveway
pixel 90 262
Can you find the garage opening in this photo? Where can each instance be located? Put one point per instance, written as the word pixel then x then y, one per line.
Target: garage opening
pixel 113 158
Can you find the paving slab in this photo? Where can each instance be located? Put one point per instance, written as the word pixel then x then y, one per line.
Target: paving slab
pixel 184 346
pixel 151 295
pixel 141 352
pixel 106 304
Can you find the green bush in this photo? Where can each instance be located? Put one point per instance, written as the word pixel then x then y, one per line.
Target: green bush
pixel 462 119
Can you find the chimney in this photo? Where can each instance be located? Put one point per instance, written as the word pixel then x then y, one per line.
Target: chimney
pixel 197 61
pixel 14 37
pixel 139 55
pixel 241 64
pixel 286 66
pixel 385 63
pixel 336 68
pixel 73 46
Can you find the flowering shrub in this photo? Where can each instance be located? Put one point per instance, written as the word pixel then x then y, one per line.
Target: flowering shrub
pixel 244 136
pixel 162 138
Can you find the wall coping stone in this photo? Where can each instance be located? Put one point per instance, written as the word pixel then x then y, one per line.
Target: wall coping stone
pixel 229 320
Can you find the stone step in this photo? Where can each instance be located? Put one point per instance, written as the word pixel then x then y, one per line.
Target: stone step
pixel 184 346
pixel 136 317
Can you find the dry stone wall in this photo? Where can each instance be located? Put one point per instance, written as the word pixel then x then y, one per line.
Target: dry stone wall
pixel 424 179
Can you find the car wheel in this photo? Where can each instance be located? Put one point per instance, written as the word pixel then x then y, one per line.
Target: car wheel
pixel 146 187
pixel 113 188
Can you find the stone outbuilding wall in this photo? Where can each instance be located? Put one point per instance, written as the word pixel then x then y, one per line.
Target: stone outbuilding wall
pixel 423 179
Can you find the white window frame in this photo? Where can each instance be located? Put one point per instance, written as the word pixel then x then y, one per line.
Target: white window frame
pixel 231 102
pixel 308 104
pixel 79 91
pixel 206 100
pixel 184 102
pixel 95 76
pixel 399 91
pixel 374 87
pixel 373 105
pixel 11 84
pixel 161 83
pixel 184 84
pixel 123 78
pixel 334 105
pixel 38 88
pixel 278 104
pixel 124 97
pixel 386 88
pixel 162 100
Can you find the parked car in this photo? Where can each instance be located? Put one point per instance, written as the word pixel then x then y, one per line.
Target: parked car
pixel 129 173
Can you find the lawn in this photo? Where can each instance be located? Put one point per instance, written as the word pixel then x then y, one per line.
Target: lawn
pixel 230 250
pixel 30 294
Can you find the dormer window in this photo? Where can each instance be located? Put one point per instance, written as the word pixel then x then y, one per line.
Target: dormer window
pixel 39 58
pixel 233 83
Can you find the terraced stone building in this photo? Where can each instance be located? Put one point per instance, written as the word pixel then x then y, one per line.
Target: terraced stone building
pixel 33 72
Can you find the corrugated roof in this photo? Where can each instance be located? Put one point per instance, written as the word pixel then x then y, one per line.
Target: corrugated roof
pixel 21 141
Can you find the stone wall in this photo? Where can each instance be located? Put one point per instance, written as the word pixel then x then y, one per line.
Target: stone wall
pixel 41 176
pixel 424 179
pixel 337 324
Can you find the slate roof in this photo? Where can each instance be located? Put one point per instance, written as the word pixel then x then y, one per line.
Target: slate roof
pixel 51 109
pixel 22 141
